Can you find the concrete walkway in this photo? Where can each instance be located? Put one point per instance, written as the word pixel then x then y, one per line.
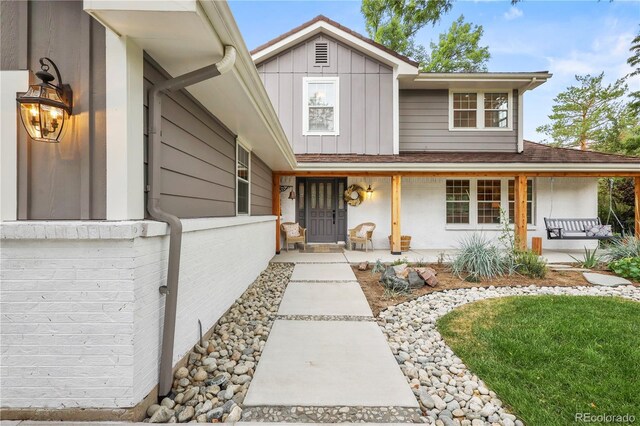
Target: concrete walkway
pixel 325 349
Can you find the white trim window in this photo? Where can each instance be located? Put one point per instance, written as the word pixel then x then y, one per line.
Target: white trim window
pixel 477 203
pixel 243 180
pixel 480 110
pixel 458 196
pixel 320 103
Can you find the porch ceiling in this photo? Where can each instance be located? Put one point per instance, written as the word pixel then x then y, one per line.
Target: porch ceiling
pixel 185 35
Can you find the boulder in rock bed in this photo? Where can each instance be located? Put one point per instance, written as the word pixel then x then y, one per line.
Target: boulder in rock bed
pixel 388 273
pixel 415 281
pixel 363 266
pixel 428 275
pixel 401 270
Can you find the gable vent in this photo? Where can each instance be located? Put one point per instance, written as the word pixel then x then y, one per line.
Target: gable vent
pixel 322 54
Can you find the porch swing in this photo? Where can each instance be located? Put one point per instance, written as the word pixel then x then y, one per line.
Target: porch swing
pixel 581 228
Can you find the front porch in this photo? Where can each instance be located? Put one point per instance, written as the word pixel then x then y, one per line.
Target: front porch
pixel 413 256
pixel 437 209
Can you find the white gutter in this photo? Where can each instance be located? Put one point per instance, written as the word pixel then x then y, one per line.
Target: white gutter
pixel 223 22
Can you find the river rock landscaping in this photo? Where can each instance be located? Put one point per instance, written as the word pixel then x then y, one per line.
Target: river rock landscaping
pixel 448 393
pixel 212 387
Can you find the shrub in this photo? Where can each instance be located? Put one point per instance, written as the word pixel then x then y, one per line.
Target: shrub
pixel 590 260
pixel 477 259
pixel 628 267
pixel 400 261
pixel 628 246
pixel 394 286
pixel 530 264
pixel 378 267
pixel 421 263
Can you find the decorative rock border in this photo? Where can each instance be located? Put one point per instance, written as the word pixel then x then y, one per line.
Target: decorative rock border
pixel 212 387
pixel 448 393
pixel 324 318
pixel 323 281
pixel 331 414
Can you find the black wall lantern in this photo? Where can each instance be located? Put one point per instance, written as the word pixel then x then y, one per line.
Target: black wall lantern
pixel 46 107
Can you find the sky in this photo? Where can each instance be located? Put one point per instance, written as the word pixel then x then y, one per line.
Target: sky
pixel 563 37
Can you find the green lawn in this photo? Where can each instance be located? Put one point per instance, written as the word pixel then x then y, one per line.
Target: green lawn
pixel 549 357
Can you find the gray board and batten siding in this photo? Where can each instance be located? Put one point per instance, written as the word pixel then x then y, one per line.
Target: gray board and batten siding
pixel 424 126
pixel 65 180
pixel 260 187
pixel 198 174
pixel 365 104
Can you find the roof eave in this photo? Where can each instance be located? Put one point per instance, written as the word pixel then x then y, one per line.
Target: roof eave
pixel 524 80
pixel 317 26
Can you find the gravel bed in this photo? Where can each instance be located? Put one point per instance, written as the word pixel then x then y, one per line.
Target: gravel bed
pixel 448 393
pixel 212 387
pixel 332 414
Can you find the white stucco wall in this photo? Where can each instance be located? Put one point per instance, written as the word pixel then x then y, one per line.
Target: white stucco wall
pixel 81 314
pixel 423 211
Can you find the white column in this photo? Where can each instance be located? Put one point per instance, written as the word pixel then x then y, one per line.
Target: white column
pixel 125 126
pixel 520 122
pixel 396 112
pixel 11 82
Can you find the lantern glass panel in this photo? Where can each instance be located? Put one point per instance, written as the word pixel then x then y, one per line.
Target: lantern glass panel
pixel 43 122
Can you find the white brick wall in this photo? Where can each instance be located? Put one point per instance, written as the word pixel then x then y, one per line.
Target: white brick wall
pixel 81 318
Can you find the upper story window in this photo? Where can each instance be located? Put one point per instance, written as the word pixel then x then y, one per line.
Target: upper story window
pixel 242 179
pixel 488 110
pixel 320 106
pixel 465 106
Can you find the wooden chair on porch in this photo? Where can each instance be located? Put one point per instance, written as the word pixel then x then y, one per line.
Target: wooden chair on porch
pixel 362 234
pixel 294 233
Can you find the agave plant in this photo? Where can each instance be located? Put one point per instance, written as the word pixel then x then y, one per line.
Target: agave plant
pixel 622 248
pixel 590 260
pixel 478 259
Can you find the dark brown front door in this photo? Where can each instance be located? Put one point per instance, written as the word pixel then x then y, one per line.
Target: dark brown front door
pixel 321 211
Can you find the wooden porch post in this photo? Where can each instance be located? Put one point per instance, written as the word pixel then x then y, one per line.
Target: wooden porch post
pixel 520 219
pixel 275 206
pixel 637 206
pixel 396 187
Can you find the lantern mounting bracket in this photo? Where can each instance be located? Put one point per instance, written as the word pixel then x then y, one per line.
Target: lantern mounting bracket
pixel 64 90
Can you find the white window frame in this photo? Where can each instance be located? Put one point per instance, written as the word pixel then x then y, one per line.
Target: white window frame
pixel 241 144
pixel 480 111
pixel 305 107
pixel 473 205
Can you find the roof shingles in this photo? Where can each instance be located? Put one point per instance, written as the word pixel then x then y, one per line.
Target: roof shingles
pixel 533 153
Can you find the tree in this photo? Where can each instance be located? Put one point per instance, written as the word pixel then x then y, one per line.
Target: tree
pixel 634 61
pixel 393 23
pixel 583 114
pixel 623 134
pixel 458 50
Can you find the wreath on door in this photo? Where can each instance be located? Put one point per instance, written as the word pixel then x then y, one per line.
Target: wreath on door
pixel 354 195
